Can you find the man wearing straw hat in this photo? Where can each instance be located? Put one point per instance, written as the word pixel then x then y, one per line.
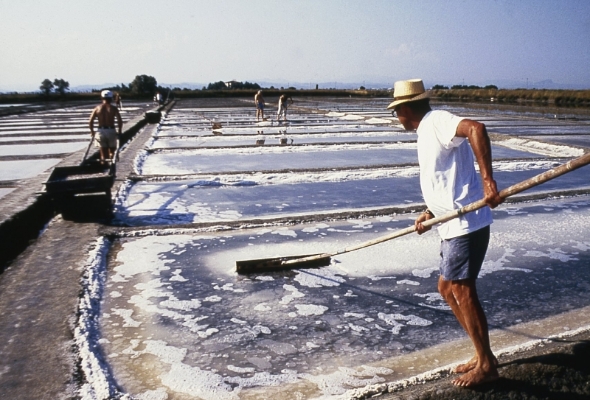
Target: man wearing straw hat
pixel 449 181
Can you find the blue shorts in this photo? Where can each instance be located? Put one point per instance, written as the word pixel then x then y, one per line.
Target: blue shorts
pixel 260 105
pixel 462 256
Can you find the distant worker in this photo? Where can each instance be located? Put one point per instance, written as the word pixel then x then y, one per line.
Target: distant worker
pixel 107 133
pixel 259 102
pixel 283 106
pixel 446 146
pixel 117 100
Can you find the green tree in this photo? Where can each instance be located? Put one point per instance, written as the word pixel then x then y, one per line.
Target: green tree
pixel 46 87
pixel 216 86
pixel 61 86
pixel 143 85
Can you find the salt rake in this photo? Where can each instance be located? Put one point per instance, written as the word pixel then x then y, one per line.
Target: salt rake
pixel 323 259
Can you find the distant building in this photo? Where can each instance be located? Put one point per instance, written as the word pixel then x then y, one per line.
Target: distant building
pixel 231 84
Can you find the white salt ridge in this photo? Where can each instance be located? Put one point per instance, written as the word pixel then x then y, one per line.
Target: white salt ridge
pixel 548 149
pixel 511 166
pixel 99 384
pixel 378 121
pixel 315 177
pixel 334 383
pixel 342 132
pixel 352 117
pixel 298 149
pixel 373 390
pixel 269 131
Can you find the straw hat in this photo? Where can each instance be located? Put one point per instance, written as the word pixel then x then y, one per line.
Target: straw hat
pixel 106 94
pixel 405 91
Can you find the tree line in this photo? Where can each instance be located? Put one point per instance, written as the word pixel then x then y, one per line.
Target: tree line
pixel 459 87
pixel 58 85
pixel 142 85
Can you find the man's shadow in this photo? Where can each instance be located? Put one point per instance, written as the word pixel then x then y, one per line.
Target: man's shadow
pixel 562 375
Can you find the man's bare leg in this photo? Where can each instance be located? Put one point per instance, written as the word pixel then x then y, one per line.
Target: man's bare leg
pixel 445 289
pixel 473 319
pixel 103 154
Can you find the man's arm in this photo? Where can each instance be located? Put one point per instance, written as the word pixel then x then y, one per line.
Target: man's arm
pixel 91 120
pixel 478 137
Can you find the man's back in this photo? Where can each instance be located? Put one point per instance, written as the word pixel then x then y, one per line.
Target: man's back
pixel 106 114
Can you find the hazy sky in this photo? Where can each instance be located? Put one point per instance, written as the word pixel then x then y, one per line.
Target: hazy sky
pixel 294 42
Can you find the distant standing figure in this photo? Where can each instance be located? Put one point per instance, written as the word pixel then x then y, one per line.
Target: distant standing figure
pixel 117 100
pixel 159 98
pixel 283 106
pixel 106 113
pixel 259 101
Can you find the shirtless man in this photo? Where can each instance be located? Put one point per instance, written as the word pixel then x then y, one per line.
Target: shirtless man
pixel 259 101
pixel 107 134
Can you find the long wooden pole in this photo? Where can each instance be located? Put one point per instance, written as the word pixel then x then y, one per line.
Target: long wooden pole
pixel 509 191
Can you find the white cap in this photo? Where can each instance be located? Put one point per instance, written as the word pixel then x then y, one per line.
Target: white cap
pixel 106 94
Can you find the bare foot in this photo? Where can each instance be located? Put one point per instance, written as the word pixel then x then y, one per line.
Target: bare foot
pixel 477 376
pixel 469 365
